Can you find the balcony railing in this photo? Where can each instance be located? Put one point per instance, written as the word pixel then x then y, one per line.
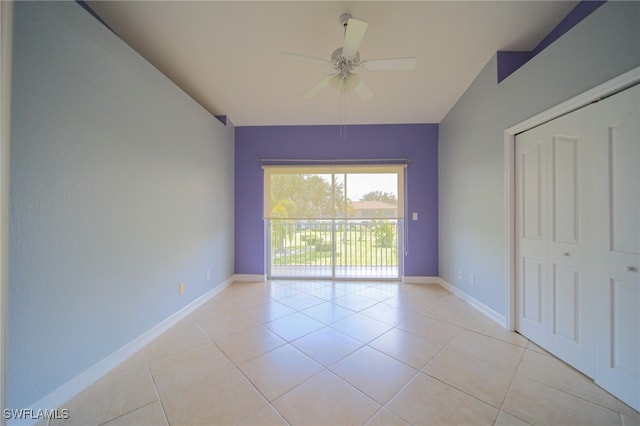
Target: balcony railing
pixel 351 248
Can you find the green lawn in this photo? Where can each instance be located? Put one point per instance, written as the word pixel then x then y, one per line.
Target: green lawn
pixel 370 244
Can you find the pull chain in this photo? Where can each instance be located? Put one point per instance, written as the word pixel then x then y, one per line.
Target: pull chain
pixel 343 116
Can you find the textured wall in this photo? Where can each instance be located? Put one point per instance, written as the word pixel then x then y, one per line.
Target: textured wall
pixel 471 146
pixel 121 187
pixel 416 141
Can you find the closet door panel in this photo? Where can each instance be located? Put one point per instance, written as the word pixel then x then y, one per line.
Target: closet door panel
pixel 531 227
pixel 565 190
pixel 532 190
pixel 566 302
pixel 570 329
pixel 624 181
pixel 532 290
pixel 616 207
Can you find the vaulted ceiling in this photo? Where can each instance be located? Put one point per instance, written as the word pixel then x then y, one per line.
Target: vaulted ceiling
pixel 226 55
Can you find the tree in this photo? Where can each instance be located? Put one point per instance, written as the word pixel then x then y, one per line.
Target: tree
pixel 282 207
pixel 387 197
pixel 384 233
pixel 310 195
pixel 283 230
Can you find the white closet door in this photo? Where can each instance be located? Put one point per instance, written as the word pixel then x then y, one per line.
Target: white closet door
pixel 616 209
pixel 578 247
pixel 570 289
pixel 552 186
pixel 531 229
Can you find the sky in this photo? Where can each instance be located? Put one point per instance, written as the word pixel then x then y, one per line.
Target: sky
pixel 359 184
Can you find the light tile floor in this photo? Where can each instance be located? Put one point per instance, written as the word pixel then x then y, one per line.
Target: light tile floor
pixel 325 353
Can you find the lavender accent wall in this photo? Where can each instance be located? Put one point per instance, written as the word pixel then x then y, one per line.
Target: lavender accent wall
pixel 416 141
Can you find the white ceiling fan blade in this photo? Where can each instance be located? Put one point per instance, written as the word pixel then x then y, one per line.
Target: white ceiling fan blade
pixel 323 84
pixel 303 58
pixel 353 37
pixel 395 64
pixel 363 91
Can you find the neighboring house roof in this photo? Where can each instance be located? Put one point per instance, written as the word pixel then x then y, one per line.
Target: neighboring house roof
pixel 372 205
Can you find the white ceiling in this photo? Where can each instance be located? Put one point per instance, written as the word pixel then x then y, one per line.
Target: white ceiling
pixel 226 54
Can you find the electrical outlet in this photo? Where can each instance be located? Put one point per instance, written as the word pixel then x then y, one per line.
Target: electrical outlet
pixel 207 274
pixel 460 276
pixel 181 289
pixel 472 280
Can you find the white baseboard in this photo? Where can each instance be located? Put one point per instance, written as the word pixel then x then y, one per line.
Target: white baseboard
pixel 487 311
pixel 83 380
pixel 420 280
pixel 249 277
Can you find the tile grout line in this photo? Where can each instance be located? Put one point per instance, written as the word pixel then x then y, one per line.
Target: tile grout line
pixel 397 359
pixel 506 395
pixel 462 390
pixel 237 367
pixel 184 352
pixel 260 392
pixel 287 342
pixel 270 403
pixel 324 368
pixel 384 406
pixel 155 387
pixel 133 411
pixel 211 341
pixel 459 390
pixel 418 371
pixel 552 356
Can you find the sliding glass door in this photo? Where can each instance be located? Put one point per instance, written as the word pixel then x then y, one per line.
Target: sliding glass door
pixel 334 222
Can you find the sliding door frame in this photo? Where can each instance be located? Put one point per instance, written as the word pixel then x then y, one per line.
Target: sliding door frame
pixel 336 219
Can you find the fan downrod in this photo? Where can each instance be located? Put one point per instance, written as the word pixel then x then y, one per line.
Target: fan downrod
pixel 344 19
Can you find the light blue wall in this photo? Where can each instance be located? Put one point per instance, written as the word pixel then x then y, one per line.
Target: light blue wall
pixel 471 145
pixel 121 187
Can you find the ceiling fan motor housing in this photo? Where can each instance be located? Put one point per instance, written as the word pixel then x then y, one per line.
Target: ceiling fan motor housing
pixel 344 65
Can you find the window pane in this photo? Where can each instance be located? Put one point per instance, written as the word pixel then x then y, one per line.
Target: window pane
pixel 341 192
pixel 372 195
pixel 305 196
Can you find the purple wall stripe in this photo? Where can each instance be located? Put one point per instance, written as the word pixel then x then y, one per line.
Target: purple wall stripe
pixel 577 14
pixel 509 61
pixel 88 8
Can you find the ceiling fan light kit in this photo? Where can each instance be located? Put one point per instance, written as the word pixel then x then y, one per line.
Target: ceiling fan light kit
pixel 347 58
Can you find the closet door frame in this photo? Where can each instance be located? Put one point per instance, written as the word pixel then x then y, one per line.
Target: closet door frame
pixel 611 87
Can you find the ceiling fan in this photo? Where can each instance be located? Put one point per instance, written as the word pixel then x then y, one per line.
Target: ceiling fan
pixel 346 59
